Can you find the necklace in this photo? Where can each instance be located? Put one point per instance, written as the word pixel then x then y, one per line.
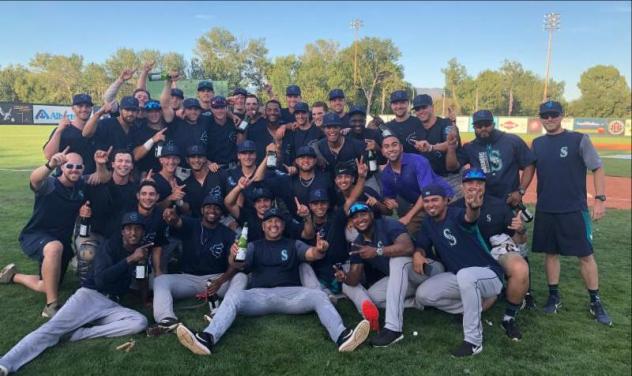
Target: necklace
pixel 308 182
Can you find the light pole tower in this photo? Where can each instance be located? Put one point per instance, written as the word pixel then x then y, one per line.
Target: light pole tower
pixel 355 25
pixel 551 24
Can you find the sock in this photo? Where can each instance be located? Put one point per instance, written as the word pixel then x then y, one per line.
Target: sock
pixel 594 295
pixel 554 290
pixel 529 267
pixel 510 311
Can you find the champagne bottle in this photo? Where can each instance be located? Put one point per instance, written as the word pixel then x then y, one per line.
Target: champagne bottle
pixel 272 160
pixel 242 244
pixel 158 76
pixel 372 161
pixel 141 269
pixel 525 214
pixel 244 124
pixel 158 149
pixel 213 300
pixel 385 131
pixel 84 227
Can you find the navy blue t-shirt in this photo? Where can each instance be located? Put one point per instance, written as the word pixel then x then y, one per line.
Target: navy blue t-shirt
pixel 351 149
pixel 287 187
pixel 72 138
pixel 185 135
pixel 163 187
pixel 275 263
pixel 56 208
pixel 141 134
pixel 494 218
pixel 287 116
pixel 156 229
pixel 110 133
pixel 110 273
pixel 214 184
pixel 260 135
pixel 293 227
pixel 334 234
pixel 109 202
pixel 457 243
pixel 501 157
pixel 561 171
pixel 222 142
pixel 297 138
pixel 406 132
pixel 385 231
pixel 204 250
pixel 436 135
pixel 232 178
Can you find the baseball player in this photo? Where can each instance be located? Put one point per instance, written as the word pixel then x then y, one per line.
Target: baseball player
pixel 93 310
pixel 275 287
pixel 562 222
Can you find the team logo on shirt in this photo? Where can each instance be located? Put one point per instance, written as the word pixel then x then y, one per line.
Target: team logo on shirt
pixel 449 237
pixel 490 161
pixel 231 181
pixel 488 217
pixel 216 192
pixel 563 151
pixel 284 255
pixel 217 250
pixel 204 138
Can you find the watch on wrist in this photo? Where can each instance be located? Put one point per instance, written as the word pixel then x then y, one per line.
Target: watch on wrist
pixel 380 249
pixel 601 198
pixel 522 191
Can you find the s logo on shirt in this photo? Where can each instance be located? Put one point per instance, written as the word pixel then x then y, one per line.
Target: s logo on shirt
pixel 563 151
pixel 449 237
pixel 217 250
pixel 488 218
pixel 284 255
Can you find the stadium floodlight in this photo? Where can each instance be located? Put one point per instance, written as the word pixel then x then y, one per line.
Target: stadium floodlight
pixel 356 25
pixel 551 24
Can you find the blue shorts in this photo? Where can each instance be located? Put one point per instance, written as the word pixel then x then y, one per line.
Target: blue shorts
pixel 33 246
pixel 566 234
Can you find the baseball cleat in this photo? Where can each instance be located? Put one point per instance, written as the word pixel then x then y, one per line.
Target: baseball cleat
pixel 386 337
pixel 4 371
pixel 528 302
pixel 7 273
pixel 166 325
pixel 349 340
pixel 198 343
pixel 467 349
pixel 512 330
pixel 600 314
pixel 553 304
pixel 50 310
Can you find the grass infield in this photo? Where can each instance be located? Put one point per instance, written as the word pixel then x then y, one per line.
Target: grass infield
pixel 567 343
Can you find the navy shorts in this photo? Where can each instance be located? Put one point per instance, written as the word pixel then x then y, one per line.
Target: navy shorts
pixel 33 246
pixel 566 234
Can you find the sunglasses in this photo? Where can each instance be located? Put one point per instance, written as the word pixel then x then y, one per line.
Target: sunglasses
pixel 74 166
pixel 549 115
pixel 483 124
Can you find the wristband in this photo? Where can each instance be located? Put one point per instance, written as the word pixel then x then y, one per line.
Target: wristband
pixel 48 166
pixel 431 147
pixel 148 144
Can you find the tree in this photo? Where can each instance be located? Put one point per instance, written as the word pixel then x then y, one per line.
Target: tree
pixel 8 78
pixel 95 81
pixel 604 93
pixel 455 75
pixel 59 75
pixel 282 73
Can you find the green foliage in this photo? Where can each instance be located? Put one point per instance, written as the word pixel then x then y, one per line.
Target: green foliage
pixel 604 93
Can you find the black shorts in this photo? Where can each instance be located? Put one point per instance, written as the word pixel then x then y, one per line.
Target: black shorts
pixel 33 246
pixel 566 234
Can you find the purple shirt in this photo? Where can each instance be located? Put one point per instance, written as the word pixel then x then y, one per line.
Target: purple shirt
pixel 416 173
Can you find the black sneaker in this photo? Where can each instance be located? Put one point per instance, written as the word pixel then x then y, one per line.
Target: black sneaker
pixel 528 302
pixel 349 340
pixel 467 349
pixel 600 314
pixel 386 338
pixel 511 329
pixel 166 325
pixel 553 303
pixel 199 343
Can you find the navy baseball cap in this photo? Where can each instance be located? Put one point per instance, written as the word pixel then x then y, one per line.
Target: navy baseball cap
pixel 293 90
pixel 261 192
pixel 345 169
pixel 551 106
pixel 247 146
pixel 358 207
pixel 422 100
pixel 82 99
pixel 355 109
pixel 240 91
pixel 177 93
pixel 433 190
pixel 219 102
pixel 152 104
pixel 212 199
pixel 132 218
pixel 482 115
pixel 170 150
pixel 195 150
pixel 318 194
pixel 301 107
pixel 305 151
pixel 399 96
pixel 331 119
pixel 336 93
pixel 473 174
pixel 205 85
pixel 129 103
pixel 191 103
pixel 271 213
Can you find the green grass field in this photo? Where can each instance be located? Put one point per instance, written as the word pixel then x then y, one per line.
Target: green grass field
pixel 569 343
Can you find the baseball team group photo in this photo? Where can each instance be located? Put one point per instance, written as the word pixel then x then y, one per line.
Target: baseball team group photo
pixel 305 188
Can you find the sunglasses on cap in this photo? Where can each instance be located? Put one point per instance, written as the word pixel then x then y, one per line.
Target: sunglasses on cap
pixel 483 124
pixel 474 174
pixel 74 166
pixel 549 115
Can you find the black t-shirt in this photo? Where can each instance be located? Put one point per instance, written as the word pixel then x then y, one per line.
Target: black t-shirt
pixel 260 135
pixel 222 146
pixel 385 231
pixel 293 227
pixel 351 149
pixel 334 231
pixel 367 191
pixel 287 187
pixel 110 274
pixel 156 229
pixel 214 184
pixel 435 135
pixel 143 133
pixel 204 250
pixel 232 178
pixel 72 138
pixel 287 116
pixel 164 187
pixel 185 135
pixel 275 263
pixel 55 209
pixel 109 202
pixel 110 133
pixel 293 140
pixel 406 132
pixel 494 218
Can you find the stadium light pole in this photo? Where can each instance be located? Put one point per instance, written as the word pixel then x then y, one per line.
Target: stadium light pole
pixel 355 25
pixel 551 24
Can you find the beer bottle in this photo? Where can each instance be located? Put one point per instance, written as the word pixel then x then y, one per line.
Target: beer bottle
pixel 141 269
pixel 271 162
pixel 525 214
pixel 372 161
pixel 158 76
pixel 242 244
pixel 244 124
pixel 84 227
pixel 385 131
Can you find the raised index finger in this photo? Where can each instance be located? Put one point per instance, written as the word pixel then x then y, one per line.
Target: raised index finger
pixel 66 150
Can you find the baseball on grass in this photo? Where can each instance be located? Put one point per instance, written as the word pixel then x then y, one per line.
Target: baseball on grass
pixel 415 333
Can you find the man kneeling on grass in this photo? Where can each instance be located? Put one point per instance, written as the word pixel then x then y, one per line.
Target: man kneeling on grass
pixel 93 310
pixel 275 287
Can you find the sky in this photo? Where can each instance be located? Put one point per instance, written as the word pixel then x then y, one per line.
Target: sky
pixel 479 34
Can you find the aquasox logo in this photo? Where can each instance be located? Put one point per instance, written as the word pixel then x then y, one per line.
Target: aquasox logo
pixel 563 151
pixel 217 250
pixel 449 236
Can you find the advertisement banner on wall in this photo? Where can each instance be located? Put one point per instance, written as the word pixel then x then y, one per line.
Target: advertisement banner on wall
pixel 15 113
pixel 534 126
pixel 616 127
pixel 50 114
pixel 591 125
pixel 516 125
pixel 628 125
pixel 463 123
pixel 568 123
